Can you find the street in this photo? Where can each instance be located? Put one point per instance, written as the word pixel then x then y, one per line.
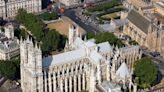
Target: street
pixel 71 14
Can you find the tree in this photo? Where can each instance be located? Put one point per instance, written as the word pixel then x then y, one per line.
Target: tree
pixel 32 23
pixel 49 16
pixel 105 36
pixel 104 6
pixel 84 91
pixel 20 33
pixel 7 69
pixel 145 72
pixel 52 40
pixel 90 35
pixel 21 14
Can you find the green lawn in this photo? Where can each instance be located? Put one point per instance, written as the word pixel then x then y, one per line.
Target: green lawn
pixel 49 16
pixel 104 6
pixel 109 12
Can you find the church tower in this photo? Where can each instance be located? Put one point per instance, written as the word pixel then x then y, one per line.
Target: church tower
pixel 31 66
pixel 73 33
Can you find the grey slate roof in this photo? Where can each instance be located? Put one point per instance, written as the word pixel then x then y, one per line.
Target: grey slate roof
pixel 110 85
pixel 139 21
pixel 79 53
pixel 11 45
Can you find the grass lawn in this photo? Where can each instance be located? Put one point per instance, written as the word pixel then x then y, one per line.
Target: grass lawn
pixel 111 15
pixel 104 6
pixel 49 16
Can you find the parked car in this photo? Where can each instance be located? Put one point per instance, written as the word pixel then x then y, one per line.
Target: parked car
pixel 155 54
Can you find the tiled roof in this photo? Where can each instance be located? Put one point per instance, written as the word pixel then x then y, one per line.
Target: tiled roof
pixel 139 21
pixel 9 46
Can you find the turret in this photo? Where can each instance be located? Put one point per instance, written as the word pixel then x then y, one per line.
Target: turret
pixel 73 33
pixel 23 51
pixel 38 58
pixel 31 66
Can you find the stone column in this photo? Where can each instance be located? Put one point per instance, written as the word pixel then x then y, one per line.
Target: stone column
pixel 33 84
pixel 75 83
pixel 66 86
pixel 61 85
pixel 87 82
pixel 127 58
pixel 76 69
pixel 98 74
pixel 130 84
pixel 54 82
pixel 134 88
pixel 40 83
pixel 107 73
pixel 22 77
pixel 50 82
pixel 79 82
pixel 134 55
pixel 70 84
pixel 91 81
pixel 45 81
pixel 83 79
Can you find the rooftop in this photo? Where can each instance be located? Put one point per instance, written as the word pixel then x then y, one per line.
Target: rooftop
pixel 64 57
pixel 81 52
pixel 8 46
pixel 161 4
pixel 112 86
pixel 123 71
pixel 139 21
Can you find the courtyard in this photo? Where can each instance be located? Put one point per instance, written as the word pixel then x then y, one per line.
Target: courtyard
pixel 63 26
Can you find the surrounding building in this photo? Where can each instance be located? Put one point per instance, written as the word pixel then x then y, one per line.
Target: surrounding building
pixel 84 65
pixel 9 45
pixel 159 8
pixel 9 8
pixel 138 4
pixel 76 2
pixel 146 25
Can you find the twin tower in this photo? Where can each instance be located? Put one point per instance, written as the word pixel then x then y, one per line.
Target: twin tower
pixel 31 63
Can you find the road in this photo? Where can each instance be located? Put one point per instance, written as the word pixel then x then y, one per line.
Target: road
pixel 71 14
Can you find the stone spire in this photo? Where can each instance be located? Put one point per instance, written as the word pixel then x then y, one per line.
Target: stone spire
pixel 77 31
pixel 36 45
pixel 80 35
pixel 66 46
pixel 21 39
pixel 85 38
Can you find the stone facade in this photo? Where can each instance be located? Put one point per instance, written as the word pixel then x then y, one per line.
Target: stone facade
pixel 9 45
pixel 146 32
pixel 10 7
pixel 83 66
